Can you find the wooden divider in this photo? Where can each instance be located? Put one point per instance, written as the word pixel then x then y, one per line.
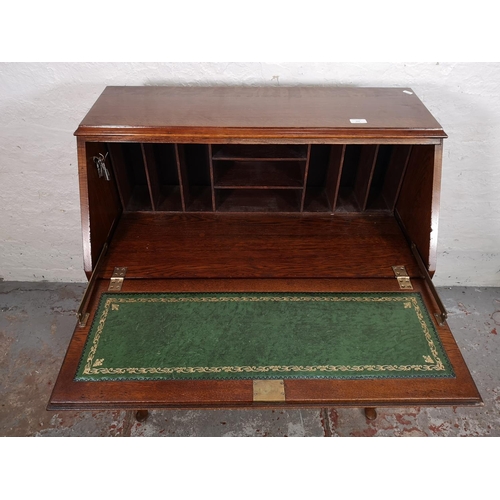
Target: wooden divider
pixel 364 175
pixel 183 177
pixel 151 175
pixel 395 173
pixel 212 180
pixel 276 177
pixel 334 173
pixel 306 172
pixel 122 180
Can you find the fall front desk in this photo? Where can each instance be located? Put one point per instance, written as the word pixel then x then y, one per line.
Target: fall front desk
pixel 260 246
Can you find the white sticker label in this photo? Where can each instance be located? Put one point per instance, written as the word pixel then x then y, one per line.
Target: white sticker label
pixel 358 120
pixel 408 92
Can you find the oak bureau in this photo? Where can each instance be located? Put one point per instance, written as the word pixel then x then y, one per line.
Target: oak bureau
pixel 260 190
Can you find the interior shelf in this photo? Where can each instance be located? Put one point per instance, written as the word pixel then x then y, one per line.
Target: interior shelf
pixel 343 178
pixel 259 174
pixel 276 152
pixel 258 200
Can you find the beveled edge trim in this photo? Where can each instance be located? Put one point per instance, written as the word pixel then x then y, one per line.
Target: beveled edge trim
pixel 234 134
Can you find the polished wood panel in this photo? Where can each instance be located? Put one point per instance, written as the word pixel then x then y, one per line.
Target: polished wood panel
pixel 68 394
pixel 260 111
pixel 418 203
pixel 258 245
pixel 100 204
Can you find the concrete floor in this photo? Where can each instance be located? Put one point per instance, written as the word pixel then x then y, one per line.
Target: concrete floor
pixel 37 321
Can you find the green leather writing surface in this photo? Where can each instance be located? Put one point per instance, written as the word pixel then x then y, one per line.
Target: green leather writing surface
pixel 176 336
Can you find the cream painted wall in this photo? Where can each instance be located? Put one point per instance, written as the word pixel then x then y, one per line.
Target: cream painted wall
pixel 42 104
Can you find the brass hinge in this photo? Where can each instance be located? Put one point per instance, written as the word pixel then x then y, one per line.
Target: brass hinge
pixel 116 283
pixel 402 277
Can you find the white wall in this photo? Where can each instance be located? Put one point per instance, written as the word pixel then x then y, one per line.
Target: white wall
pixel 42 104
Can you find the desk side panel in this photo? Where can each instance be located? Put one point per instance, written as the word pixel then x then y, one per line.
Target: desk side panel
pixel 99 201
pixel 418 204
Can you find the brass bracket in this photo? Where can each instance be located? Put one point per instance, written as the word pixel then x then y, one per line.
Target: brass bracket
pixel 82 313
pixel 116 283
pixel 268 390
pixel 442 314
pixel 402 277
pixel 82 319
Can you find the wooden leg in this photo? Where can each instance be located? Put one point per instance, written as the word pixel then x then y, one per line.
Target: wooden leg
pixel 370 413
pixel 141 415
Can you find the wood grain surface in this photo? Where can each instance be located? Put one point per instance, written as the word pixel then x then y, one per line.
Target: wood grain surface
pixel 260 111
pixel 418 203
pixel 246 245
pixel 99 201
pixel 312 251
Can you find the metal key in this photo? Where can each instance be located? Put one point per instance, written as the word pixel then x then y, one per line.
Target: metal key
pixel 100 163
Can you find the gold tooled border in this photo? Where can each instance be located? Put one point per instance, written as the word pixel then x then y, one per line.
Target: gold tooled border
pixel 91 367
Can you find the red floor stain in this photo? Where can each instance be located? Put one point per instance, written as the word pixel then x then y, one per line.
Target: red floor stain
pixel 412 431
pixel 324 424
pixel 438 429
pixel 334 418
pixel 494 331
pixel 403 419
pixel 463 308
pixel 368 432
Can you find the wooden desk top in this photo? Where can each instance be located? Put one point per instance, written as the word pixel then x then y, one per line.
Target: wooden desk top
pixel 260 112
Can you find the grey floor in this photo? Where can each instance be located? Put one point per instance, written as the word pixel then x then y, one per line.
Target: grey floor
pixel 37 321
